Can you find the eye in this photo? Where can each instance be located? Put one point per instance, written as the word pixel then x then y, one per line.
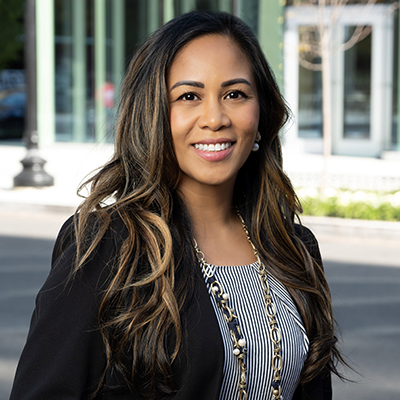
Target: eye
pixel 188 97
pixel 236 94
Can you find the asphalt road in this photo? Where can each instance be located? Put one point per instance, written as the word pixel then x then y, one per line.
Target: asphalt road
pixel 363 270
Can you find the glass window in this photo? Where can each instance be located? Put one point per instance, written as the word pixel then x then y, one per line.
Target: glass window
pixel 63 69
pixel 310 85
pixel 12 74
pixel 357 88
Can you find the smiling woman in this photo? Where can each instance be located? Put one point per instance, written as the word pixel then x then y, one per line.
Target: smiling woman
pixel 183 274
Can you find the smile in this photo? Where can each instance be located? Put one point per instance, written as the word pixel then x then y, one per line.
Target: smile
pixel 213 147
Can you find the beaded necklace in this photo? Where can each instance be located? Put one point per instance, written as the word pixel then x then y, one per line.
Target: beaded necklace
pixel 238 341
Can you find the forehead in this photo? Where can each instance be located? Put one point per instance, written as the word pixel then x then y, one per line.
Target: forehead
pixel 210 54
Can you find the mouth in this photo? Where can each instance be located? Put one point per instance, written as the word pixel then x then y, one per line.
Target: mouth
pixel 213 147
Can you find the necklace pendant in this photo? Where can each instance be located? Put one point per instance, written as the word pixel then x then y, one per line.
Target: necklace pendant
pixel 276 391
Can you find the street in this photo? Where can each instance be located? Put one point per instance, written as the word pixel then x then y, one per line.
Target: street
pixel 363 271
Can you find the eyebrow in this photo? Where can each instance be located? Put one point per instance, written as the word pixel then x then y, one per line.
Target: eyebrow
pixel 235 81
pixel 201 85
pixel 188 83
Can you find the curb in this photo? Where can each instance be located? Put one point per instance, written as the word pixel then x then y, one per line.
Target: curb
pixel 353 227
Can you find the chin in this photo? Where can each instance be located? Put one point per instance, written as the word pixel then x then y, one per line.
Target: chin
pixel 216 181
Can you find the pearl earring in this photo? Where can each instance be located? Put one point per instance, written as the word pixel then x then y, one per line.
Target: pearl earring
pixel 256 146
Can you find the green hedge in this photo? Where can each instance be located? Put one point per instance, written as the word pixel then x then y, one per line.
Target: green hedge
pixel 332 207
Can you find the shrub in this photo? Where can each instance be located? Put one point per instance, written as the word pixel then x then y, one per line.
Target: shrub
pixel 347 204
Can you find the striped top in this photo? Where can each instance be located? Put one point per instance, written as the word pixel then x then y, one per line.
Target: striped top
pixel 246 297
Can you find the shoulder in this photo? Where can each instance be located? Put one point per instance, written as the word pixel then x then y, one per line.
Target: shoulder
pixel 64 239
pixel 304 234
pixel 112 239
pixel 309 240
pixel 96 269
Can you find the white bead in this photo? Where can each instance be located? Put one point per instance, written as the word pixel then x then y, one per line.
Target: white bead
pixel 225 296
pixel 242 342
pixel 215 289
pixel 236 352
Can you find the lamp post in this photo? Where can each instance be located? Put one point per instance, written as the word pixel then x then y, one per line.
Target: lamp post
pixel 33 173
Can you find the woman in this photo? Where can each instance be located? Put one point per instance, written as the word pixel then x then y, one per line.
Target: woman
pixel 194 282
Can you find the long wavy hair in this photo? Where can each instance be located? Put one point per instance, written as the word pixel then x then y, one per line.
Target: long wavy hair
pixel 153 270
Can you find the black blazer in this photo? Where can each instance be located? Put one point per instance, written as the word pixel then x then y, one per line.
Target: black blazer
pixel 64 356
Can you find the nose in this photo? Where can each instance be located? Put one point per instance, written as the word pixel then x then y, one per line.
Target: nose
pixel 213 116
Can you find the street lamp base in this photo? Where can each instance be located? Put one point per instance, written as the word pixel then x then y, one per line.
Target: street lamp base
pixel 33 173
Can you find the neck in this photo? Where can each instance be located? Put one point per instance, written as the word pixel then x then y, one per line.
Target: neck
pixel 215 224
pixel 210 207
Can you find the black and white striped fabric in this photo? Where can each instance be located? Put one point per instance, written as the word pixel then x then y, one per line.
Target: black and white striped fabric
pixel 246 297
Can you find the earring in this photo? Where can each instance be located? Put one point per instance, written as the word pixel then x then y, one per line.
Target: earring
pixel 256 146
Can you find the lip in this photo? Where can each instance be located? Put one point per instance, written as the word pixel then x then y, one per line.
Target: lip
pixel 214 156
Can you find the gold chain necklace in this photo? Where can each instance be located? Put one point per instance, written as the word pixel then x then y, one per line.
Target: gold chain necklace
pixel 239 342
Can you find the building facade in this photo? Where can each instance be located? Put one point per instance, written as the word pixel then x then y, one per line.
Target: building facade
pixel 84 46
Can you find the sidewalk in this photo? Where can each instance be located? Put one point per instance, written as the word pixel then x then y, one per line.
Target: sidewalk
pixel 343 172
pixel 69 163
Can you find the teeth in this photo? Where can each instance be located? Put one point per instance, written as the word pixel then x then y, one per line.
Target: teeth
pixel 212 147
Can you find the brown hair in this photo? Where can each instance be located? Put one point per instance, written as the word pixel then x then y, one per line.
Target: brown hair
pixel 154 267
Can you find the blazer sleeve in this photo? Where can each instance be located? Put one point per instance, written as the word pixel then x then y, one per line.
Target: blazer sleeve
pixel 64 354
pixel 320 388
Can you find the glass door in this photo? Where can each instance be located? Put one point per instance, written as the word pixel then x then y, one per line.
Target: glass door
pixel 357 89
pixel 360 83
pixel 364 81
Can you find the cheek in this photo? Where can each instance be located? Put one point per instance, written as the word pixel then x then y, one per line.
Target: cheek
pixel 180 124
pixel 255 116
pixel 179 129
pixel 249 120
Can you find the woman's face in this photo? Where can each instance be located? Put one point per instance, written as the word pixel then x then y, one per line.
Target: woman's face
pixel 214 110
